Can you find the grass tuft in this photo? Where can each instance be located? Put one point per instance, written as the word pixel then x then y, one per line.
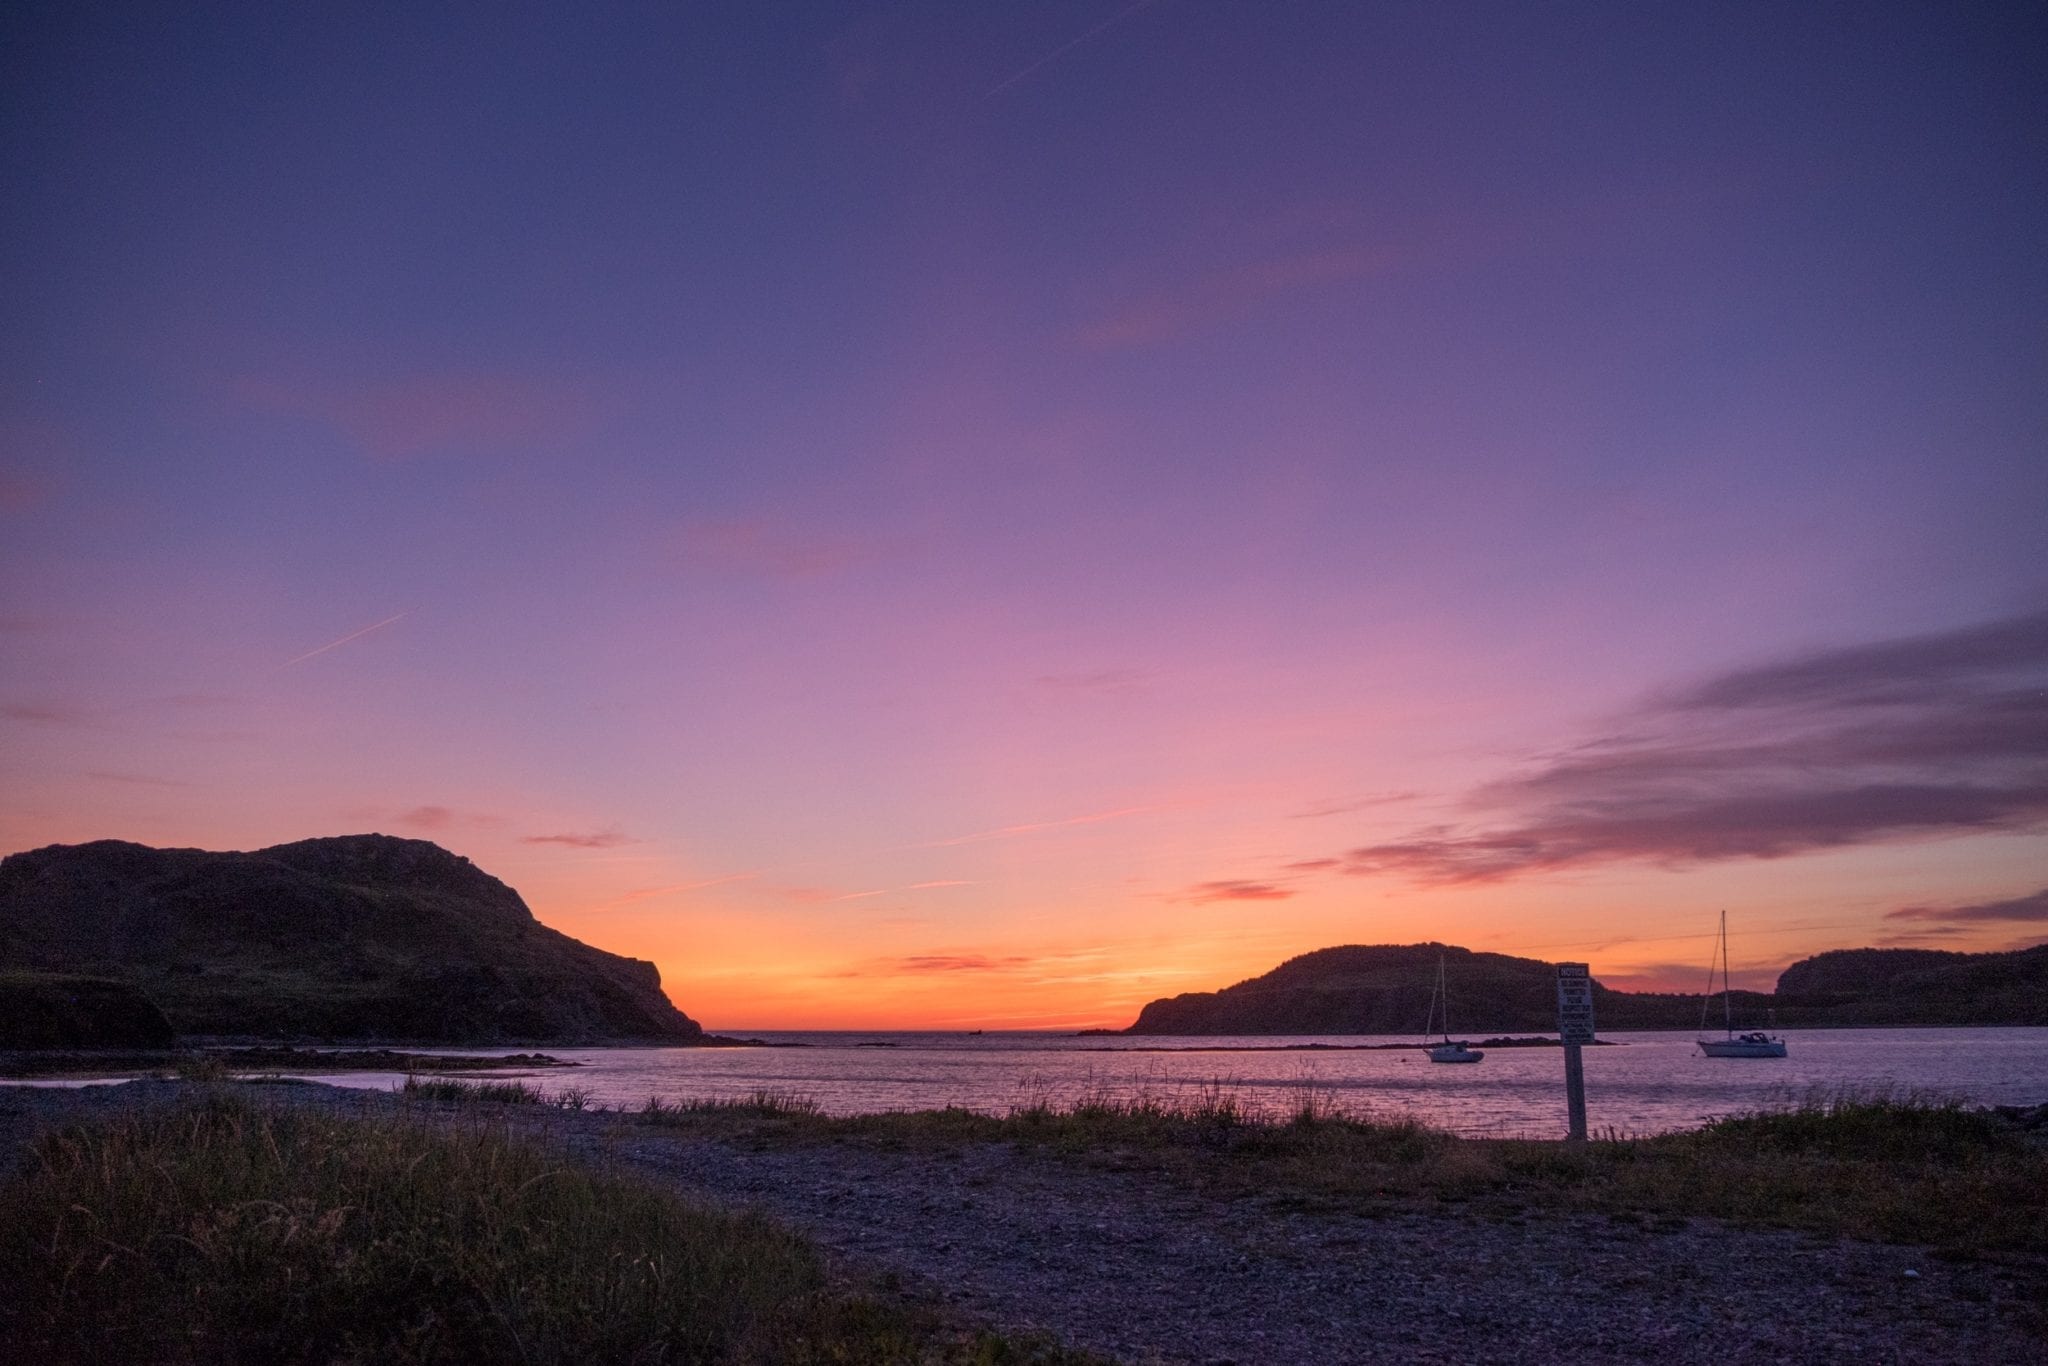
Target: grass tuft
pixel 226 1232
pixel 454 1091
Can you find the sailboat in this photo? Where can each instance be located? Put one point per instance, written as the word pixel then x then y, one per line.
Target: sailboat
pixel 1754 1044
pixel 1447 1051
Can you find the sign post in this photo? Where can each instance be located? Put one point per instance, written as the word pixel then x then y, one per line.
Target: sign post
pixel 1575 1028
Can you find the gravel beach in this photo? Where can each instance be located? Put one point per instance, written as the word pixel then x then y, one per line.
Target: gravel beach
pixel 1144 1270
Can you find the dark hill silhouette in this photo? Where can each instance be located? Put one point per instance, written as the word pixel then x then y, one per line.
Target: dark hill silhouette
pixel 1385 989
pixel 1916 986
pixel 355 937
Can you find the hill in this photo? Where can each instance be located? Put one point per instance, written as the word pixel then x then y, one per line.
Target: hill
pixel 1916 987
pixel 355 937
pixel 1385 989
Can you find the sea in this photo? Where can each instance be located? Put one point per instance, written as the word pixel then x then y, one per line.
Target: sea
pixel 1639 1084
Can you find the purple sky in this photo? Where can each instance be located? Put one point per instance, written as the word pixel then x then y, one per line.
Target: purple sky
pixel 932 513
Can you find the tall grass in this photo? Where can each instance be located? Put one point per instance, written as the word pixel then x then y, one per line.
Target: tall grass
pixel 224 1232
pixel 454 1091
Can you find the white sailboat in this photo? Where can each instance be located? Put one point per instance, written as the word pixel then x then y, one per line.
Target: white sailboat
pixel 1755 1044
pixel 1448 1050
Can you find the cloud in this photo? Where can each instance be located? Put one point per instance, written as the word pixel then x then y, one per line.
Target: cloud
pixel 437 412
pixel 603 839
pixel 1314 865
pixel 1343 806
pixel 2022 908
pixel 774 550
pixel 1238 891
pixel 1913 738
pixel 1912 669
pixel 49 714
pixel 957 962
pixel 427 818
pixel 134 779
pixel 1099 680
pixel 122 716
pixel 1922 936
pixel 1013 831
pixel 1226 294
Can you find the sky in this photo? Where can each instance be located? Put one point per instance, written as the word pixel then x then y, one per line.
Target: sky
pixel 922 515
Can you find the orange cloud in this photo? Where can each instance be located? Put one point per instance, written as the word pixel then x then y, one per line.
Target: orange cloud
pixel 1239 891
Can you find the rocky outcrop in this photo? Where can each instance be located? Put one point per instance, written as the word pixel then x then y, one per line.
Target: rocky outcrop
pixel 356 937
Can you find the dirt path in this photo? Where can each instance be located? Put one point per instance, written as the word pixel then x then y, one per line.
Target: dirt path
pixel 1131 1266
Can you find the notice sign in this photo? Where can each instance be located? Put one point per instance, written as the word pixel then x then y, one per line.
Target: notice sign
pixel 1574 1003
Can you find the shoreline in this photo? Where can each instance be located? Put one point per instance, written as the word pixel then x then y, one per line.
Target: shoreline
pixel 1216 1260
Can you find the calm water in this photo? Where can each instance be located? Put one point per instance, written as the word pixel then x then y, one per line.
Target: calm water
pixel 1647 1083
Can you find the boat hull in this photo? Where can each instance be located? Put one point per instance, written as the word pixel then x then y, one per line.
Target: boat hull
pixel 1455 1052
pixel 1743 1048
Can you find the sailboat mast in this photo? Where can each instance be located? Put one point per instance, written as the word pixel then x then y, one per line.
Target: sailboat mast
pixel 1727 1010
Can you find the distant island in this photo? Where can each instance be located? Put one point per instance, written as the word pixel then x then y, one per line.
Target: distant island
pixel 353 938
pixel 1385 989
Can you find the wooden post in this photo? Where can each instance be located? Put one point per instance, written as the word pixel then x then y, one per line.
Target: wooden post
pixel 1575 1028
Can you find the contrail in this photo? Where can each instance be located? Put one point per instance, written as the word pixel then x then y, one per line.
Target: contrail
pixel 1111 22
pixel 353 635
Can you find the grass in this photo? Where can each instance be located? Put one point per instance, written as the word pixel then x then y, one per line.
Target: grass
pixel 1895 1169
pixel 223 1231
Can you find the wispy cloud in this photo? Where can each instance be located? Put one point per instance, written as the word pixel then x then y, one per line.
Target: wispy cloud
pixel 1035 827
pixel 133 779
pixel 427 818
pixel 337 644
pixel 1345 805
pixel 1097 680
pixel 45 712
pixel 940 962
pixel 1234 890
pixel 434 413
pixel 774 549
pixel 1231 293
pixel 640 894
pixel 602 839
pixel 51 714
pixel 892 891
pixel 1918 737
pixel 2020 908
